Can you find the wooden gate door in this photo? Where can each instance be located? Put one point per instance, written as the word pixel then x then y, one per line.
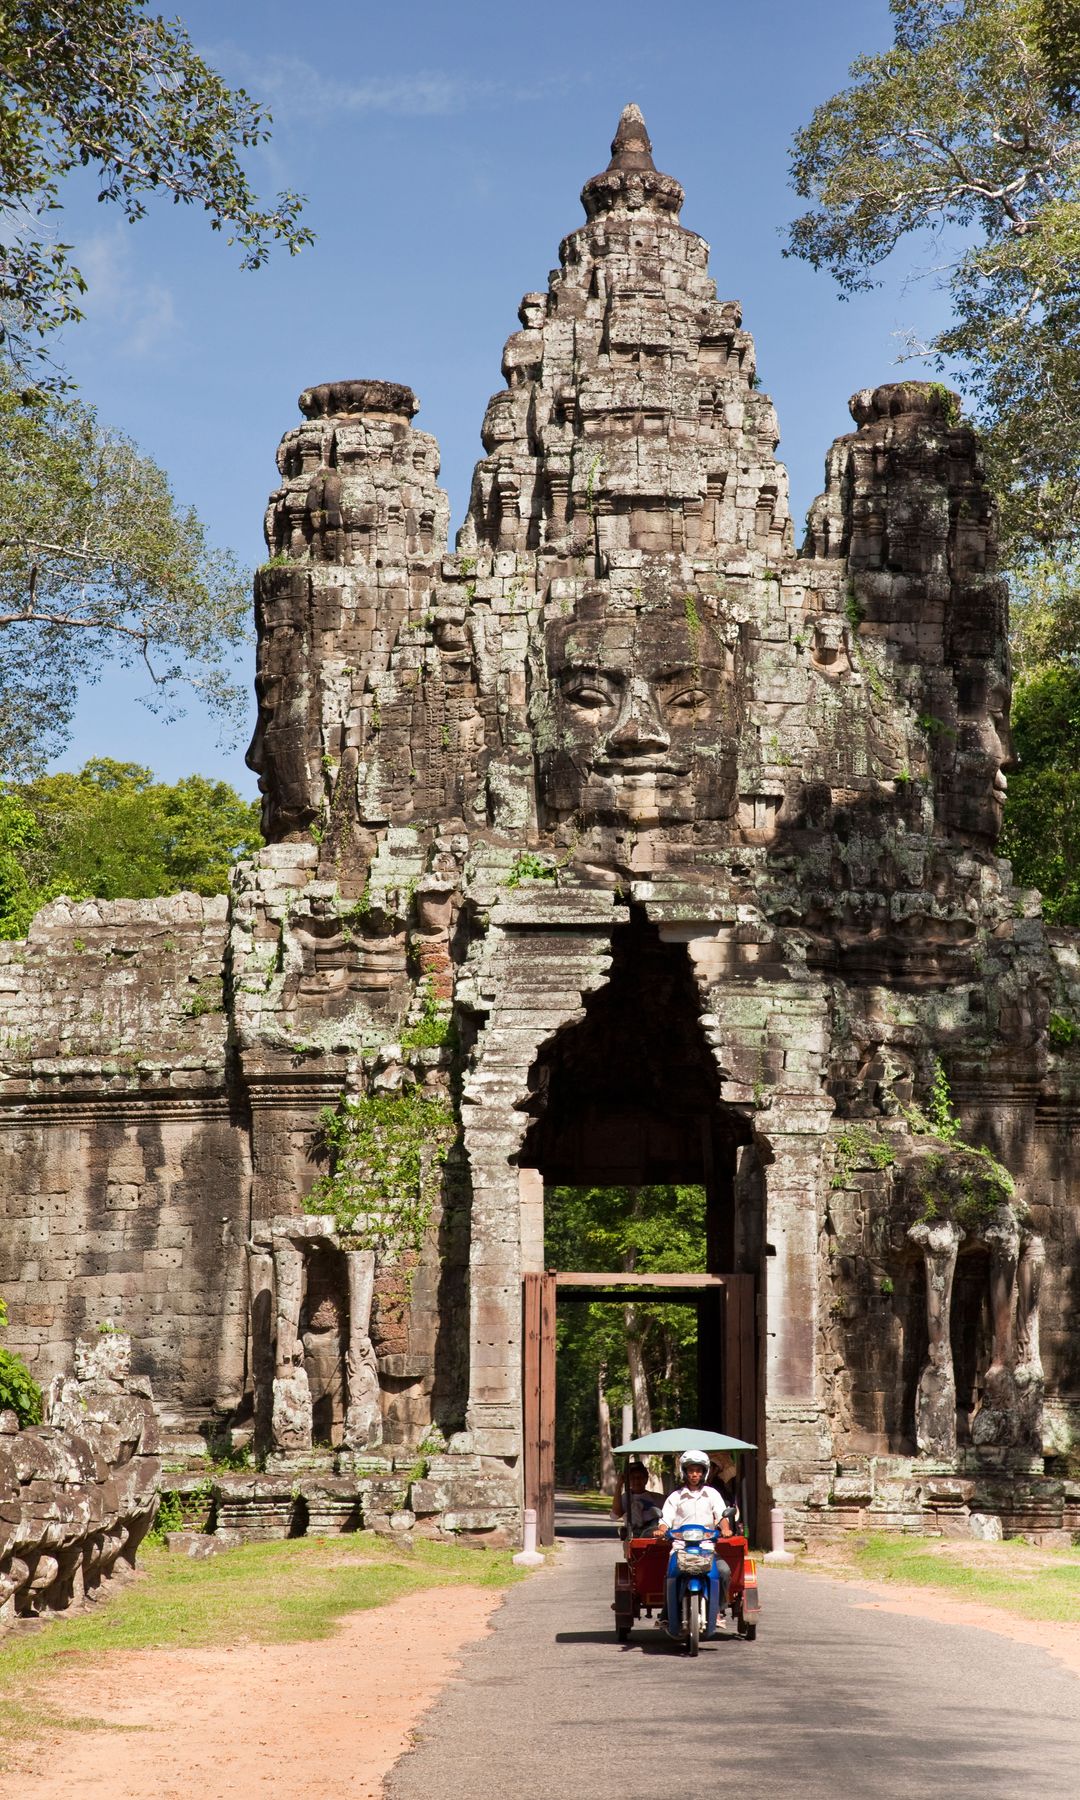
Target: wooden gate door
pixel 538 1400
pixel 741 1417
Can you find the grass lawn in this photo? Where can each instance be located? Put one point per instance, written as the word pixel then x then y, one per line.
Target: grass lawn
pixel 591 1501
pixel 262 1593
pixel 1020 1578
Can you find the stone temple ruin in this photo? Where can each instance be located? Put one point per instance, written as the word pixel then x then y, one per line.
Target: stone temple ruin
pixel 626 843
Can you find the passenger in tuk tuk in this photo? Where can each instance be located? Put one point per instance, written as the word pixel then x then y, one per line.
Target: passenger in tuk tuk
pixel 639 1507
pixel 695 1503
pixel 723 1476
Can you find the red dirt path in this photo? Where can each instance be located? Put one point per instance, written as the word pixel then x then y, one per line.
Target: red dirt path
pixel 329 1717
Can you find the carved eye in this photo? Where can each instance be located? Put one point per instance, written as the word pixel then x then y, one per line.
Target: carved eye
pixel 588 697
pixel 689 701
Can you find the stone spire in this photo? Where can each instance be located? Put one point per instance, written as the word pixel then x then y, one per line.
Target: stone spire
pixel 631 147
pixel 631 420
pixel 631 180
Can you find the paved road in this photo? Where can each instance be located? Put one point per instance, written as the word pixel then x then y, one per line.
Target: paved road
pixel 830 1703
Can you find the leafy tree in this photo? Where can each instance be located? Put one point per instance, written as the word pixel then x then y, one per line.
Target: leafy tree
pixel 19 1392
pixel 99 563
pixel 112 832
pixel 105 85
pixel 966 125
pixel 648 1351
pixel 1042 818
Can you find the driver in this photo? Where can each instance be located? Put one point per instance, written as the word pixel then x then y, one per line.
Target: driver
pixel 641 1508
pixel 694 1503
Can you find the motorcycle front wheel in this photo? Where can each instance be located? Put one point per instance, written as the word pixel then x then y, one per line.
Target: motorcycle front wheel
pixel 692 1609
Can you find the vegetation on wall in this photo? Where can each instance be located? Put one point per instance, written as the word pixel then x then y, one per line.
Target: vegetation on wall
pixel 962 1182
pixel 385 1151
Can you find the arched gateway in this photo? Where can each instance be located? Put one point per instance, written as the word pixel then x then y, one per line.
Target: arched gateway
pixel 625 844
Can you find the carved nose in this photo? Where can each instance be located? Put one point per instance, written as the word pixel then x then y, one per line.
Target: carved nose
pixel 640 733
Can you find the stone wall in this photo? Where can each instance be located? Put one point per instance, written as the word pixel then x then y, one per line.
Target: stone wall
pixel 79 1493
pixel 124 1156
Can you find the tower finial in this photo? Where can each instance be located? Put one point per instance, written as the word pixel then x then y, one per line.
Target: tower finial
pixel 631 179
pixel 631 147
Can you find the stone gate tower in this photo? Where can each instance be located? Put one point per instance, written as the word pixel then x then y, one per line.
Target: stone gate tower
pixel 628 843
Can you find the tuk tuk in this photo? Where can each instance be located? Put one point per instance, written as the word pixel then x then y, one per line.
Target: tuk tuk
pixel 640 1578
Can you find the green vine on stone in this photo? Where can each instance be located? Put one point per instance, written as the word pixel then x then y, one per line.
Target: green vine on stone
pixel 433 1030
pixel 859 1148
pixel 964 1182
pixel 385 1152
pixel 528 866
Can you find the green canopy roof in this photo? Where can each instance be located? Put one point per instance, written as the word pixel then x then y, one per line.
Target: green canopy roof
pixel 659 1443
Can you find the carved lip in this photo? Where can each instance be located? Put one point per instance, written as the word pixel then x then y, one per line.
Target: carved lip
pixel 628 771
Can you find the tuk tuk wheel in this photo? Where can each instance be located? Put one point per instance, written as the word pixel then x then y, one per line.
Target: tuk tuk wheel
pixel 622 1634
pixel 746 1630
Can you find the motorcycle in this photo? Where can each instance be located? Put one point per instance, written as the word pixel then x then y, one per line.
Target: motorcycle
pixel 692 1567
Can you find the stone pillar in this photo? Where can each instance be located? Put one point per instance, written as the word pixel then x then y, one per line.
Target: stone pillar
pixel 1030 1382
pixel 291 1419
pixel 996 1421
pixel 531 1196
pixel 935 1401
pixel 791 1268
pixel 261 1317
pixel 363 1417
pixel 493 1417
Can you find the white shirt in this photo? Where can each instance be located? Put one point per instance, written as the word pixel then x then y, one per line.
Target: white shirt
pixel 692 1506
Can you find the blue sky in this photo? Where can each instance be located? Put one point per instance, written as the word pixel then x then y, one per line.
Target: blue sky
pixel 443 149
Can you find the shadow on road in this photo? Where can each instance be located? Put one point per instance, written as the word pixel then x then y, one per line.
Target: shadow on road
pixel 572 1520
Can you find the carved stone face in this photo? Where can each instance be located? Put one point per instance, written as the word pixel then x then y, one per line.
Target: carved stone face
pixel 643 721
pixel 279 750
pixel 983 752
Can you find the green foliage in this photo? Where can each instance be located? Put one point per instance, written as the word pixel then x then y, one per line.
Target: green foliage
pixel 1062 1032
pixel 964 127
pixel 939 1110
pixel 948 402
pixel 858 1147
pixel 527 866
pixel 121 91
pixel 99 563
pixel 1041 833
pixel 385 1152
pixel 853 609
pixel 169 1517
pixel 963 1182
pixel 111 832
pixel 434 1028
pixel 650 1229
pixel 19 1392
pixel 966 1185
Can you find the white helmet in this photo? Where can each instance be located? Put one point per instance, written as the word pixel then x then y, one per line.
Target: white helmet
pixel 693 1459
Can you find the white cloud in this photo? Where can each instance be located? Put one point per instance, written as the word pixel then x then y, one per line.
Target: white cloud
pixel 288 86
pixel 118 299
